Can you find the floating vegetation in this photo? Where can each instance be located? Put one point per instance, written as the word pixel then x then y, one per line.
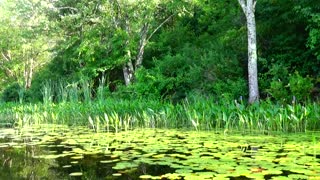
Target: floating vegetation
pixel 116 174
pixel 157 154
pixel 76 174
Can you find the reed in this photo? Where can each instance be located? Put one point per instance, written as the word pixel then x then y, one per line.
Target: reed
pixel 107 113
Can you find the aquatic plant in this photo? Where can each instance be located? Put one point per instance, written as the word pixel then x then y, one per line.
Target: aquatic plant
pixel 73 104
pixel 200 114
pixel 153 153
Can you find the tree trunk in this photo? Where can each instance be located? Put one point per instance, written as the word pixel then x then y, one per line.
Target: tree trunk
pixel 142 44
pixel 25 74
pixel 128 73
pixel 248 8
pixel 30 73
pixel 128 70
pixel 119 22
pixel 252 59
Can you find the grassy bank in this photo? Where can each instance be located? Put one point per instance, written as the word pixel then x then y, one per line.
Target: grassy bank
pixel 197 113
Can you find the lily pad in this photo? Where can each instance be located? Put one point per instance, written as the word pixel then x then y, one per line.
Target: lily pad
pixel 117 174
pixel 145 176
pixel 76 174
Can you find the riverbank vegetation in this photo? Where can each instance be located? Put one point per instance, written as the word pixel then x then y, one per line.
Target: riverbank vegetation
pixel 169 64
pixel 196 113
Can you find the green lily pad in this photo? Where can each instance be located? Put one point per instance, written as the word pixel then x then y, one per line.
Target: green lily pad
pixel 298 176
pixel 124 165
pixel 171 176
pixel 181 171
pixel 107 161
pixel 76 174
pixel 145 176
pixel 77 157
pixel 66 166
pixel 281 178
pixel 116 174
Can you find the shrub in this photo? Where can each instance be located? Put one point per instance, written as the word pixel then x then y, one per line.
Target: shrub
pixel 278 90
pixel 11 93
pixel 300 87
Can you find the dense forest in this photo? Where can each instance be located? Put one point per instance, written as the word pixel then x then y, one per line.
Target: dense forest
pixel 165 50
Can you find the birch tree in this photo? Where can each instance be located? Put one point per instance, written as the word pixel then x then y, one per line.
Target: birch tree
pixel 248 7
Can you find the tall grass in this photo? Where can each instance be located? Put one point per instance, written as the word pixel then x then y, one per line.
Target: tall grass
pixel 203 114
pixel 73 104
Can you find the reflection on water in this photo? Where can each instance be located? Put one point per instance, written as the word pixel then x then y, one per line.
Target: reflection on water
pixel 60 152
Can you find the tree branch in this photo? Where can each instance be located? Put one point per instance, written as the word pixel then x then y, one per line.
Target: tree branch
pixel 243 6
pixel 166 20
pixel 5 57
pixel 7 71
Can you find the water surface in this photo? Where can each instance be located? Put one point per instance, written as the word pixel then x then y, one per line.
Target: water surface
pixel 61 152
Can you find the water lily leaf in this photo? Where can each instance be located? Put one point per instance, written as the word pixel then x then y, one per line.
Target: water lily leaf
pixel 298 176
pixel 280 178
pixel 77 157
pixel 156 177
pixel 106 161
pixel 124 165
pixel 66 166
pixel 145 176
pixel 171 176
pixel 185 170
pixel 76 174
pixel 116 174
pixel 158 156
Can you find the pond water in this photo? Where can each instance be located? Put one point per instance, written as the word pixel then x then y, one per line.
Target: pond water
pixel 61 152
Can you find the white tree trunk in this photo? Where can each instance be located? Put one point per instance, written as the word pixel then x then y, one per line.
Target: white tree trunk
pixel 30 73
pixel 128 73
pixel 248 7
pixel 143 42
pixel 128 70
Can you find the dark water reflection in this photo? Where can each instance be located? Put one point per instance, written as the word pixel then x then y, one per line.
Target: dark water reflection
pixel 18 163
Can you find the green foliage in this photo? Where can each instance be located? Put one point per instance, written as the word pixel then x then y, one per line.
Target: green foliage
pixel 297 88
pixel 230 89
pixel 211 72
pixel 309 10
pixel 11 94
pixel 300 87
pixel 278 90
pixel 200 49
pixel 200 113
pixel 283 29
pixel 151 83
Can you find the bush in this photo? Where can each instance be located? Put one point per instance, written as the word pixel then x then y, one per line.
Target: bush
pixel 278 90
pixel 300 87
pixel 193 69
pixel 230 89
pixel 11 93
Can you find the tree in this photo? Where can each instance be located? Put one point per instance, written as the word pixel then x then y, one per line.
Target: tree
pixel 24 45
pixel 137 20
pixel 248 7
pixel 105 36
